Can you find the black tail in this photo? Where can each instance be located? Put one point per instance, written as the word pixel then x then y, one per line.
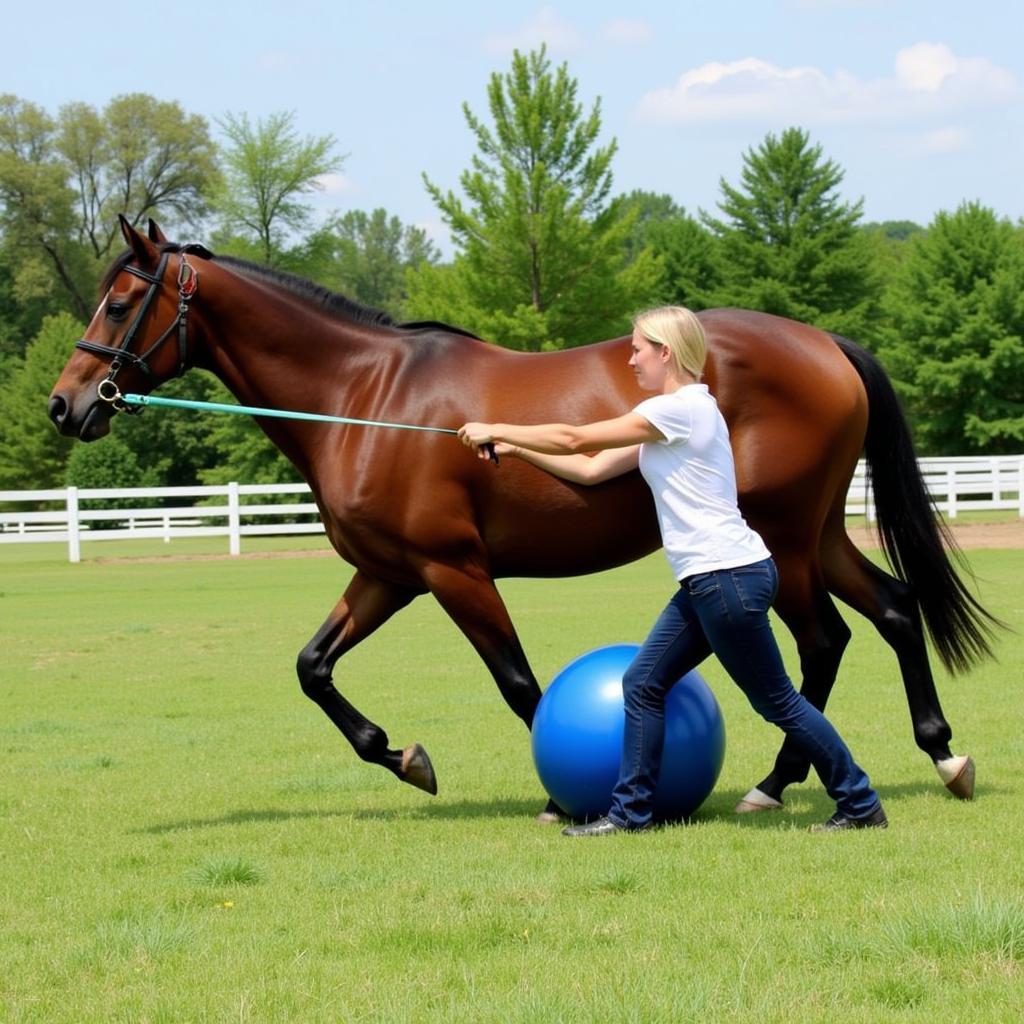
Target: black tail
pixel 914 536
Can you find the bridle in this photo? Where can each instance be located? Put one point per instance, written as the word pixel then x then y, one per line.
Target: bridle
pixel 121 355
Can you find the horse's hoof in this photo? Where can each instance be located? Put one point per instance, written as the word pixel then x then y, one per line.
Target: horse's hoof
pixel 957 774
pixel 550 818
pixel 552 815
pixel 417 769
pixel 756 801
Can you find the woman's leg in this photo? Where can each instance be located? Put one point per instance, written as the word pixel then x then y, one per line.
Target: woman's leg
pixel 675 645
pixel 732 606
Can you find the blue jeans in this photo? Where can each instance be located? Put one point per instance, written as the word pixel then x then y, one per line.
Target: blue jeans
pixel 724 613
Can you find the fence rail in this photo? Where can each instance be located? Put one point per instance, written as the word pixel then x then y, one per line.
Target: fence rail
pixel 70 515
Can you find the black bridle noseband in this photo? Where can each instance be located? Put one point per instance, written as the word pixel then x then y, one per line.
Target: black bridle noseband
pixel 121 356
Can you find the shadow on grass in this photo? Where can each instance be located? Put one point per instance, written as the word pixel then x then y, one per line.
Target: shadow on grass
pixel 450 810
pixel 815 807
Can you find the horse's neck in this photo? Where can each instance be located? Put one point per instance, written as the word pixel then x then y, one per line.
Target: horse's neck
pixel 286 356
pixel 281 355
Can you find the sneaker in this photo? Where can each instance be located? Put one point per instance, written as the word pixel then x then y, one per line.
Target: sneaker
pixel 840 822
pixel 598 827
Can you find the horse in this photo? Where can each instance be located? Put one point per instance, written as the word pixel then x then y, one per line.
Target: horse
pixel 417 514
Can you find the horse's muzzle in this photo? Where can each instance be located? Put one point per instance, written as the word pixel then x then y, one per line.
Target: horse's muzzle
pixel 90 427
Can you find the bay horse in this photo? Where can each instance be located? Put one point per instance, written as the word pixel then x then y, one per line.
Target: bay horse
pixel 419 513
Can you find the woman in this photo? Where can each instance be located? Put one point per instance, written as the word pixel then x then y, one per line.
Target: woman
pixel 727 578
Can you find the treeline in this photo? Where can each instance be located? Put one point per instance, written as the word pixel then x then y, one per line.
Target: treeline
pixel 547 255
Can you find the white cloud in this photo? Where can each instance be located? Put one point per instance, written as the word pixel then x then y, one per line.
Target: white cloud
pixel 924 67
pixel 929 79
pixel 546 26
pixel 627 31
pixel 334 184
pixel 943 140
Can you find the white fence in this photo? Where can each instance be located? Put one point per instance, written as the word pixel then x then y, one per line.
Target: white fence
pixel 224 512
pixel 956 485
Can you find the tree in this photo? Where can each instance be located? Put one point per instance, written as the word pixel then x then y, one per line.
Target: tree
pixel 956 338
pixel 244 452
pixel 365 256
pixel 141 157
pixel 788 244
pixel 63 180
pixel 269 171
pixel 37 216
pixel 541 254
pixel 32 453
pixel 685 250
pixel 173 448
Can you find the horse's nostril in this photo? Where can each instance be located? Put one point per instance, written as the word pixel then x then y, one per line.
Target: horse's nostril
pixel 58 409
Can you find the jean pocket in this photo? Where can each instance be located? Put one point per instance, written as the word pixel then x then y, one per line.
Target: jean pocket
pixel 755 587
pixel 703 584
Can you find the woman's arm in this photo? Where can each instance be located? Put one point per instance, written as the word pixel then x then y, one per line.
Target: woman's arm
pixel 580 469
pixel 563 438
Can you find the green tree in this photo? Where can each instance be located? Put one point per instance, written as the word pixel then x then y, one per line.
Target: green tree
pixel 645 210
pixel 955 343
pixel 63 180
pixel 172 448
pixel 32 453
pixel 140 157
pixel 37 213
pixel 109 463
pixel 269 170
pixel 244 453
pixel 364 256
pixel 541 248
pixel 789 245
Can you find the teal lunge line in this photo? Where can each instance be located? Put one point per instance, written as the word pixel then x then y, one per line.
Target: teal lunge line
pixel 284 414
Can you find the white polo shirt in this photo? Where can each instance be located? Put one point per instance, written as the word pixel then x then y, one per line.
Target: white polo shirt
pixel 693 479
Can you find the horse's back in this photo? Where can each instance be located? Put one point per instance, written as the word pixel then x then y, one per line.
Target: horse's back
pixel 796 411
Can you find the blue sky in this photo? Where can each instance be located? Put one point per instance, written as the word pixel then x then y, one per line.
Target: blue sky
pixel 921 103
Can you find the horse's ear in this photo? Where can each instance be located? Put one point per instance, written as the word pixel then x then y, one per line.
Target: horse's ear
pixel 155 234
pixel 145 252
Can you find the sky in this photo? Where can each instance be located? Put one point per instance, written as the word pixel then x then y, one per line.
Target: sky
pixel 920 102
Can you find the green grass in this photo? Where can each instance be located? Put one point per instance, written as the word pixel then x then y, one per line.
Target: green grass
pixel 184 837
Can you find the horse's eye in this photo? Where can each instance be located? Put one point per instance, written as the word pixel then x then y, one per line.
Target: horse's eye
pixel 116 310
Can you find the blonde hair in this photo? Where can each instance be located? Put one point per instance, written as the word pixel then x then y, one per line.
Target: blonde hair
pixel 679 330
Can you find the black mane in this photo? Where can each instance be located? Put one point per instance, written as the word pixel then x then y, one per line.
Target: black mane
pixel 331 302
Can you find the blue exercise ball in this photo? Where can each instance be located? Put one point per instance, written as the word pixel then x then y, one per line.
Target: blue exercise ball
pixel 577 737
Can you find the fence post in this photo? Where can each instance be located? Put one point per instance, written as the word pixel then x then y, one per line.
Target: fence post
pixel 74 534
pixel 234 519
pixel 951 494
pixel 1020 487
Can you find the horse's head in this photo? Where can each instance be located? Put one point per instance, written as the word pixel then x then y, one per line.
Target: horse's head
pixel 147 291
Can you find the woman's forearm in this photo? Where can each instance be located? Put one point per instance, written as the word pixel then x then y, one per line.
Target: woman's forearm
pixel 582 469
pixel 559 439
pixel 566 439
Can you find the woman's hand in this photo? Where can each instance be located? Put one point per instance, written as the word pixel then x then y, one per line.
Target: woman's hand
pixel 475 435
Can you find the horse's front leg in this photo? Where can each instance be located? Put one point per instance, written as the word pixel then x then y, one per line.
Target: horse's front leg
pixel 366 604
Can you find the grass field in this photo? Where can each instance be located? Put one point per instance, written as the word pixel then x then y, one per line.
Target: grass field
pixel 184 837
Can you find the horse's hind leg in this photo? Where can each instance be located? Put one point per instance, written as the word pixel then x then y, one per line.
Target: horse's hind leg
pixel 367 604
pixel 821 636
pixel 892 608
pixel 469 596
